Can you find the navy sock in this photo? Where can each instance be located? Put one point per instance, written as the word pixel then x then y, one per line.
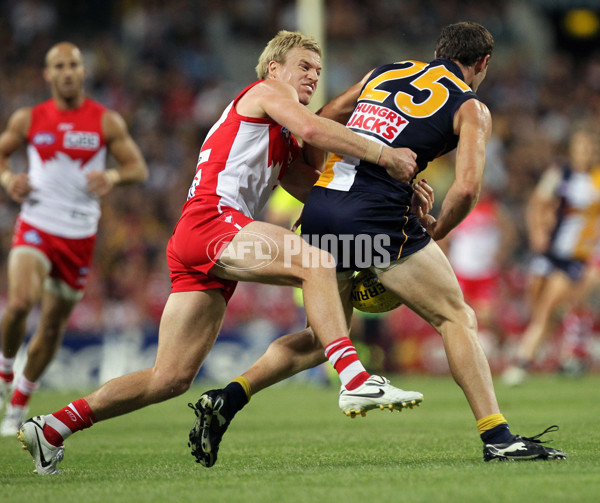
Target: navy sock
pixel 237 399
pixel 497 435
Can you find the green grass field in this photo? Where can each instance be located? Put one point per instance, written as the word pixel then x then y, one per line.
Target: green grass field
pixel 292 444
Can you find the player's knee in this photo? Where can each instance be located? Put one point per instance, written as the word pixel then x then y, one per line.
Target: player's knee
pixel 20 307
pixel 169 385
pixel 320 264
pixel 468 318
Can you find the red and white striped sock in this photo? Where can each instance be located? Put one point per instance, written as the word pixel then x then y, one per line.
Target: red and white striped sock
pixel 63 423
pixel 6 368
pixel 341 353
pixel 23 391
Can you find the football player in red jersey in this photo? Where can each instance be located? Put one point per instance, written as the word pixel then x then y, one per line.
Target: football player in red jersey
pixel 249 150
pixel 68 138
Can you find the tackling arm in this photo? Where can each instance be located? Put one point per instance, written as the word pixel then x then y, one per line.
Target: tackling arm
pixel 339 110
pixel 280 102
pixel 299 179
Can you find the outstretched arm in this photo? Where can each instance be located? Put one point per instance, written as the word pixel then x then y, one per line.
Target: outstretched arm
pixel 280 101
pixel 339 110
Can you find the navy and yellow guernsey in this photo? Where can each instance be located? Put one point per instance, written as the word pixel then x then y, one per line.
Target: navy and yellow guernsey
pixel 406 104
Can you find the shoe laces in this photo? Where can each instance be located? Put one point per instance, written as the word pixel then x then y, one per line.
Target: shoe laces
pixel 60 454
pixel 536 438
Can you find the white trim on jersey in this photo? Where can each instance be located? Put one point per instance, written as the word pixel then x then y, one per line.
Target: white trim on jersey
pixel 60 203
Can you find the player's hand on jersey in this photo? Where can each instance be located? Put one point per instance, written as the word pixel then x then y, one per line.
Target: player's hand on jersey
pixel 422 198
pixel 429 222
pixel 400 163
pixel 18 187
pixel 99 183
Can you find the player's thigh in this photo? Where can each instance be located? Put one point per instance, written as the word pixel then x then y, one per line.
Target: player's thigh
pixel 558 290
pixel 27 269
pixel 189 327
pixel 426 283
pixel 268 253
pixel 55 312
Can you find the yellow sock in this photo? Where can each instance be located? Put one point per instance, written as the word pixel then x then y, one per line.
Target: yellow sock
pixel 244 383
pixel 489 422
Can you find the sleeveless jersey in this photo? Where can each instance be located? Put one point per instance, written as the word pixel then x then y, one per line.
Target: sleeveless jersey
pixel 241 161
pixel 476 241
pixel 577 229
pixel 62 147
pixel 407 104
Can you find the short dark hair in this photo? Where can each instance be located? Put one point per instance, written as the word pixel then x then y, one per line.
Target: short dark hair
pixel 464 42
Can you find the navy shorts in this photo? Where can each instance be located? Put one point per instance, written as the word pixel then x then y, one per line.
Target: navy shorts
pixel 544 265
pixel 361 229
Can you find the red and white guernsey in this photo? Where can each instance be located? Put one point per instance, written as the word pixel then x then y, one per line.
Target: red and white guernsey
pixel 241 161
pixel 63 147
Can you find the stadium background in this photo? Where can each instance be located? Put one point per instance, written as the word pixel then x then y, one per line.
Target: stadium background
pixel 171 67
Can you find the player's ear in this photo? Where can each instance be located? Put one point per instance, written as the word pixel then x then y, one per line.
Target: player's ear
pixel 482 63
pixel 273 68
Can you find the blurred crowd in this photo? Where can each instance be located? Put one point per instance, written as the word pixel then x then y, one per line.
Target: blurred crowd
pixel 171 67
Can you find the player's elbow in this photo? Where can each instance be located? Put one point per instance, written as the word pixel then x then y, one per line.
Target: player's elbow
pixel 469 192
pixel 141 172
pixel 311 132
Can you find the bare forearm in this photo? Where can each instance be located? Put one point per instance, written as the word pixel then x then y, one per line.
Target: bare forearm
pixel 333 137
pixel 456 206
pixel 131 173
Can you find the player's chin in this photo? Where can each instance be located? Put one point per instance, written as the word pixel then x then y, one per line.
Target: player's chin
pixel 305 100
pixel 305 95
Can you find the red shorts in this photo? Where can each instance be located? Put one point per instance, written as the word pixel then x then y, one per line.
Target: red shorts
pixel 485 289
pixel 201 235
pixel 70 259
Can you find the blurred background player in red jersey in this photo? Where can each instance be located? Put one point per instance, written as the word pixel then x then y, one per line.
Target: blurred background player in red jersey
pixel 480 251
pixel 68 138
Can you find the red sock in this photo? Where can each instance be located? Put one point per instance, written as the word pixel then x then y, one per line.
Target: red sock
pixel 19 398
pixel 63 423
pixel 342 355
pixel 7 376
pixel 23 391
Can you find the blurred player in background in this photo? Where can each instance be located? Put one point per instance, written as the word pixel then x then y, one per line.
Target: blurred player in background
pixel 246 154
pixel 431 108
pixel 563 223
pixel 68 138
pixel 479 250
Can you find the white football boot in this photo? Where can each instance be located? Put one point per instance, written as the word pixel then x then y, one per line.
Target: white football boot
pixel 45 455
pixel 377 392
pixel 13 419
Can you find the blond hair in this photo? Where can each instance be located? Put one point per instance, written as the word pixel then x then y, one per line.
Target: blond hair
pixel 277 49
